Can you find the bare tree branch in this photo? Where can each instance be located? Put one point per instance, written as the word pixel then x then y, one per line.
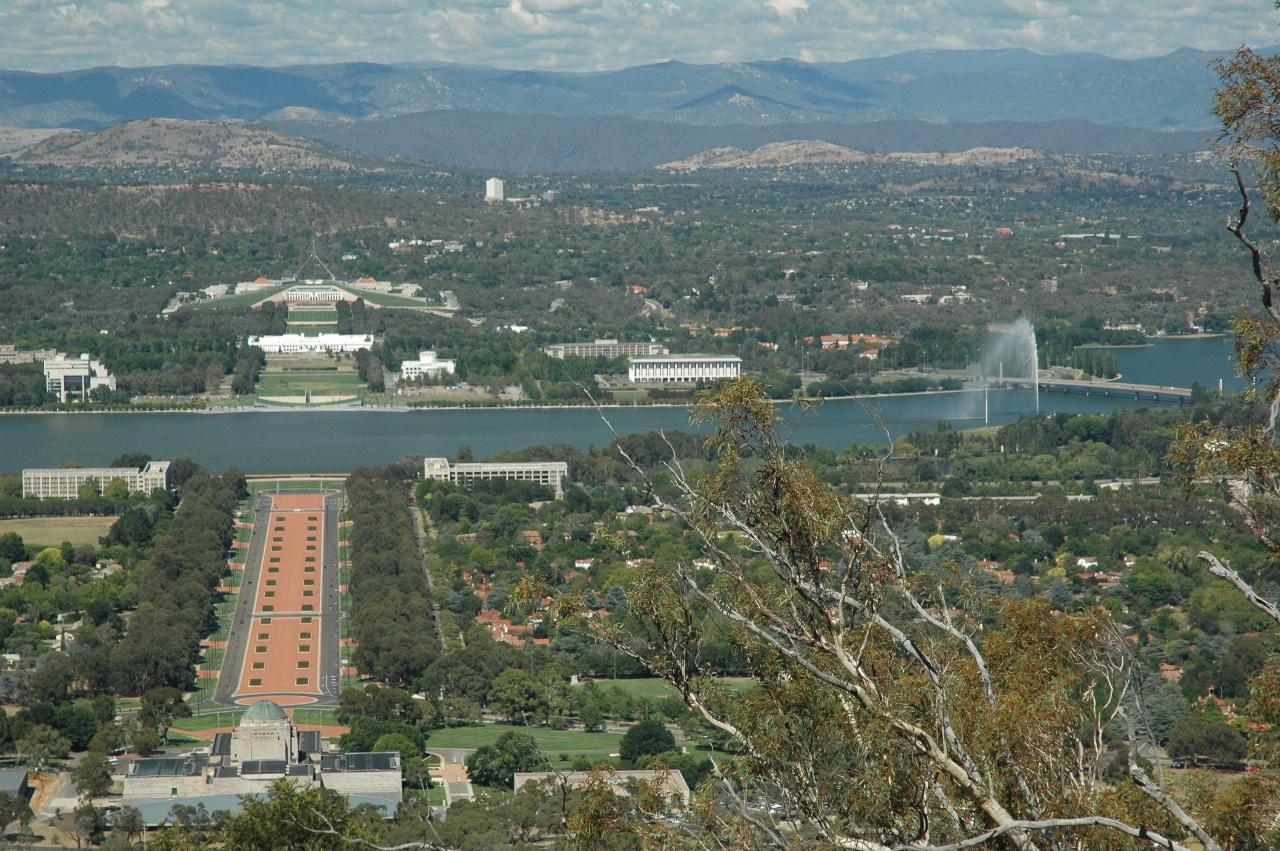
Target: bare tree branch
pixel 1260 264
pixel 1165 800
pixel 1140 832
pixel 1217 568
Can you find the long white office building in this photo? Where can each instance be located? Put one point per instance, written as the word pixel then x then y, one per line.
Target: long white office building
pixel 64 483
pixel 311 344
pixel 427 365
pixel 675 369
pixel 74 378
pixel 549 473
pixel 604 349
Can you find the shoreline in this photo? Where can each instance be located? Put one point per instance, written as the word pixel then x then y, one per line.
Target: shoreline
pixel 1151 341
pixel 406 409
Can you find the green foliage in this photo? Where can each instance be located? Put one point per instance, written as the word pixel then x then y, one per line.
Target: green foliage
pixel 516 694
pixel 1200 738
pixel 175 588
pixel 93 775
pixel 495 765
pixel 41 744
pixel 293 818
pixel 365 733
pixel 646 739
pixel 12 547
pixel 391 609
pixel 400 743
pixel 133 528
pixel 160 706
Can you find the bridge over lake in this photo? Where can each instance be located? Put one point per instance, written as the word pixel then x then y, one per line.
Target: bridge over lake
pixel 1103 388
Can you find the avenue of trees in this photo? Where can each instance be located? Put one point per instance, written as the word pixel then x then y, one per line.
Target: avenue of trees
pixel 390 606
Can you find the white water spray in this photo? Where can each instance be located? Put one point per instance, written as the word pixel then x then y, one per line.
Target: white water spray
pixel 1012 351
pixel 1034 358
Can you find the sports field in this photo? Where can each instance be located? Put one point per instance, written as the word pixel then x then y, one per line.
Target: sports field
pixel 52 531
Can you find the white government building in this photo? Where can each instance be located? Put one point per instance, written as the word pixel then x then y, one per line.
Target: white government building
pixel 549 473
pixel 427 365
pixel 71 378
pixel 312 344
pixel 675 369
pixel 65 482
pixel 604 349
pixel 263 748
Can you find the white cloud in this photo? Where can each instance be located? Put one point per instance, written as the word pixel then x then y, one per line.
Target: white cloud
pixel 597 34
pixel 787 9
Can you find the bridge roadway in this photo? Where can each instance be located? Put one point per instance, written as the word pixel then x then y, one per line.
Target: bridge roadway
pixel 1154 392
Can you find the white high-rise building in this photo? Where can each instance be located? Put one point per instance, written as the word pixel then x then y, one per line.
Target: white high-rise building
pixel 71 378
pixel 494 190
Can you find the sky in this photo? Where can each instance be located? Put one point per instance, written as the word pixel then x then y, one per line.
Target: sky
pixel 588 35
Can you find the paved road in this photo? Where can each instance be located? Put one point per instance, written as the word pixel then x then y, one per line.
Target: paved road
pixel 419 533
pixel 453 774
pixel 330 611
pixel 242 620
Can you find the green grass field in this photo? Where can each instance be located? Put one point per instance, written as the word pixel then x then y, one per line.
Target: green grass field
pixel 225 718
pixel 389 300
pixel 238 301
pixel 312 314
pixel 312 330
pixel 629 396
pixel 52 531
pixel 552 742
pixel 319 383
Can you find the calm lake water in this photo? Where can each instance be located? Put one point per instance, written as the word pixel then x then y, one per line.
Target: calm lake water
pixel 335 441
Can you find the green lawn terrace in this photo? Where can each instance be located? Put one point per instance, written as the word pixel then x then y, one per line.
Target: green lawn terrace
pixel 317 293
pixel 308 314
pixel 291 380
pixel 312 319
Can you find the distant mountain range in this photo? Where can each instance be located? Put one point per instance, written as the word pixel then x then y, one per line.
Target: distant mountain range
pixel 1171 92
pixel 809 152
pixel 168 142
pixel 549 143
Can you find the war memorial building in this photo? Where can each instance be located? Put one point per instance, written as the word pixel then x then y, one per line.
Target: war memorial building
pixel 264 748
